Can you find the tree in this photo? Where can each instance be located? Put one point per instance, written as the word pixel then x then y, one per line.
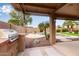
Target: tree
pixel 77 27
pixel 43 27
pixel 58 26
pixel 69 24
pixel 19 18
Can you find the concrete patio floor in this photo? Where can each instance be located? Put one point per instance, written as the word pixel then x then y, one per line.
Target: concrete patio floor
pixel 40 51
pixel 59 49
pixel 68 48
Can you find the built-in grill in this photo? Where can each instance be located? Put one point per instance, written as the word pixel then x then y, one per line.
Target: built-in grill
pixel 10 34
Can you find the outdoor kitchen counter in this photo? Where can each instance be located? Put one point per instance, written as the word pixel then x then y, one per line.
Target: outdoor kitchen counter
pixel 8 48
pixel 3 41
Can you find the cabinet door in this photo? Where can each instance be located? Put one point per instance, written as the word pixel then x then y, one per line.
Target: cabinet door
pixel 14 49
pixel 21 42
pixel 5 54
pixel 4 50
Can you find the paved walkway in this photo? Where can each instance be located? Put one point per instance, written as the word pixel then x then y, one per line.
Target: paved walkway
pixel 63 38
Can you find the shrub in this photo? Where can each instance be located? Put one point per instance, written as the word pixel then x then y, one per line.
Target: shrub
pixel 58 30
pixel 75 31
pixel 64 30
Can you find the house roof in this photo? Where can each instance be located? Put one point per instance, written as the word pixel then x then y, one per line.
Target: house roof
pixel 69 10
pixel 4 25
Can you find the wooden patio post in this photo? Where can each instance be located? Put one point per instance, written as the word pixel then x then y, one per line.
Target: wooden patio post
pixel 52 39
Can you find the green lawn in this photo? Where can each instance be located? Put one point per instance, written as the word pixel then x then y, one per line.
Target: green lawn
pixel 69 34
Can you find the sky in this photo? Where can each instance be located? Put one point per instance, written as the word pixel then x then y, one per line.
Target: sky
pixel 5 9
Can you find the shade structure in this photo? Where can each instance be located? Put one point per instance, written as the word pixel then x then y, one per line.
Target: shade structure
pixel 67 10
pixel 53 10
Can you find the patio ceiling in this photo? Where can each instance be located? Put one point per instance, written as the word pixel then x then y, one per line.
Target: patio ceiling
pixel 67 10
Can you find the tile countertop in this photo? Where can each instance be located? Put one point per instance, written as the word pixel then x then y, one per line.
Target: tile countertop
pixel 3 41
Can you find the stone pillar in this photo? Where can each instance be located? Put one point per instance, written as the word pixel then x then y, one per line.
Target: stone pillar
pixel 52 39
pixel 21 42
pixel 21 39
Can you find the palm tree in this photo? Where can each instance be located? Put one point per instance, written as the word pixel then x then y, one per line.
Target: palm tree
pixel 69 24
pixel 17 18
pixel 43 27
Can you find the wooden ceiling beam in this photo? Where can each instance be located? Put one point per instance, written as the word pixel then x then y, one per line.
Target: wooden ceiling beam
pixel 50 13
pixel 52 9
pixel 26 11
pixel 21 6
pixel 41 6
pixel 34 11
pixel 37 14
pixel 66 16
pixel 60 7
